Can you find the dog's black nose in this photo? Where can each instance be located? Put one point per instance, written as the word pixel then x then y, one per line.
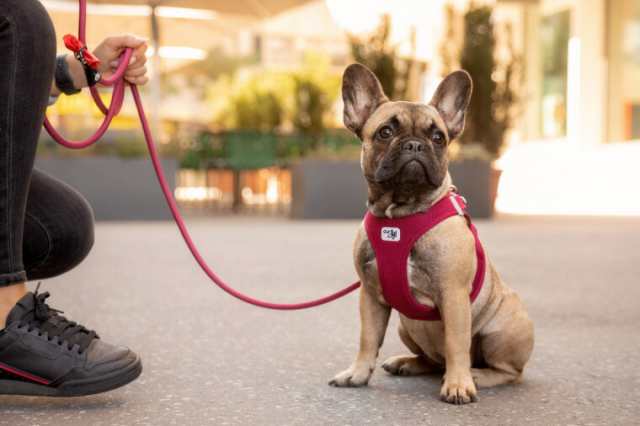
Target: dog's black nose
pixel 413 146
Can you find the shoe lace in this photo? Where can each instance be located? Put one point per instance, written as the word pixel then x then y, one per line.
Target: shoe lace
pixel 50 323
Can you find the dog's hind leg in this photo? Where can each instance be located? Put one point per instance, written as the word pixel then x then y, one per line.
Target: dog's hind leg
pixel 410 365
pixel 505 353
pixel 489 377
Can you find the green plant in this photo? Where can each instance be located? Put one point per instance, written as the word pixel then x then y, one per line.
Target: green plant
pixel 380 56
pixel 338 144
pixel 121 144
pixel 198 76
pixel 293 146
pixel 310 105
pixel 260 110
pixel 204 147
pixel 314 91
pixel 256 102
pixel 493 106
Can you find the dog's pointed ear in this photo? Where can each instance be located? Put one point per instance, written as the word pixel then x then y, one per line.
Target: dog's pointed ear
pixel 452 99
pixel 362 94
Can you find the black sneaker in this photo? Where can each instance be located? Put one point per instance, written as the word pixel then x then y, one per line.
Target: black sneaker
pixel 43 353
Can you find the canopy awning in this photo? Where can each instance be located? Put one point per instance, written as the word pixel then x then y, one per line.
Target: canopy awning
pixel 256 8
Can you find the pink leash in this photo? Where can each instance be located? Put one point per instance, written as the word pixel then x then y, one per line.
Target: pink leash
pixel 118 83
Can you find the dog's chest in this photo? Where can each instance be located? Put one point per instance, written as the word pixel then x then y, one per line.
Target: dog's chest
pixel 422 270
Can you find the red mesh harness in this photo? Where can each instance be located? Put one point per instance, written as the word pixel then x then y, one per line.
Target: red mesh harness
pixel 392 241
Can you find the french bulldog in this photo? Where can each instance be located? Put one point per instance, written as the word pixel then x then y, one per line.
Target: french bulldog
pixel 404 161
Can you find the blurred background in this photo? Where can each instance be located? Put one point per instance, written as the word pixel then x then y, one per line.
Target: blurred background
pixel 244 101
pixel 245 106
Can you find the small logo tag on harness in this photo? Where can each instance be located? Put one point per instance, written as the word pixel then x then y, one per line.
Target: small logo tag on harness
pixel 390 234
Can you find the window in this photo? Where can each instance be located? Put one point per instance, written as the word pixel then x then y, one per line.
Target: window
pixel 554 34
pixel 623 86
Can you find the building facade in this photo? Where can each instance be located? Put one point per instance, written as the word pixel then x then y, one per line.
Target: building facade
pixel 575 148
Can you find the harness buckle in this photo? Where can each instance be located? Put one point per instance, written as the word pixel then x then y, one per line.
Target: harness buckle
pixel 456 205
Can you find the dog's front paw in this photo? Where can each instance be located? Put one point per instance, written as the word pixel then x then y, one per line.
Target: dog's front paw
pixel 458 388
pixel 355 376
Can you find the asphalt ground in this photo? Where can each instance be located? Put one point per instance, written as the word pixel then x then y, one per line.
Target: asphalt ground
pixel 209 359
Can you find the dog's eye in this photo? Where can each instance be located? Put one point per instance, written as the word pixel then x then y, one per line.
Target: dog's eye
pixel 385 133
pixel 437 137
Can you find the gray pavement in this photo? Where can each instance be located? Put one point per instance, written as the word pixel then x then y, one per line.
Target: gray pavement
pixel 210 359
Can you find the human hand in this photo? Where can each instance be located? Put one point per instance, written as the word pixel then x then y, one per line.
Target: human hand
pixel 109 52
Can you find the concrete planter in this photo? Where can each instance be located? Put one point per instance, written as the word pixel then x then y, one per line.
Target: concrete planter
pixel 477 181
pixel 118 189
pixel 323 189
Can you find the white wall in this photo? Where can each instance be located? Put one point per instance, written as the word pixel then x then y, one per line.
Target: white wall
pixel 588 101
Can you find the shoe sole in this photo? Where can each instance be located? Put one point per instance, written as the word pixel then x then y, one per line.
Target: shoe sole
pixel 90 386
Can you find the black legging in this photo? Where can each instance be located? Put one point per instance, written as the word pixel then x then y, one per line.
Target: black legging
pixel 46 227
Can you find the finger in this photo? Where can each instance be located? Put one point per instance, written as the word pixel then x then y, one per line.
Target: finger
pixel 138 56
pixel 140 60
pixel 133 63
pixel 136 72
pixel 138 80
pixel 141 50
pixel 141 55
pixel 116 63
pixel 125 41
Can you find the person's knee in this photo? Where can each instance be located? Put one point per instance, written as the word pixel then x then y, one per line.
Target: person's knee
pixel 74 240
pixel 58 242
pixel 78 238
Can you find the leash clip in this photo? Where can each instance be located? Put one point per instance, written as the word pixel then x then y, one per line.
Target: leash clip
pixel 456 205
pixel 89 62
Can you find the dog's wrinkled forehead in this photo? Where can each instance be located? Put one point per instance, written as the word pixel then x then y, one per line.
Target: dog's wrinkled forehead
pixel 408 115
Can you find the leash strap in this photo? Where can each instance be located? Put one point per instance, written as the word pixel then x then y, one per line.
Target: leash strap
pixel 117 100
